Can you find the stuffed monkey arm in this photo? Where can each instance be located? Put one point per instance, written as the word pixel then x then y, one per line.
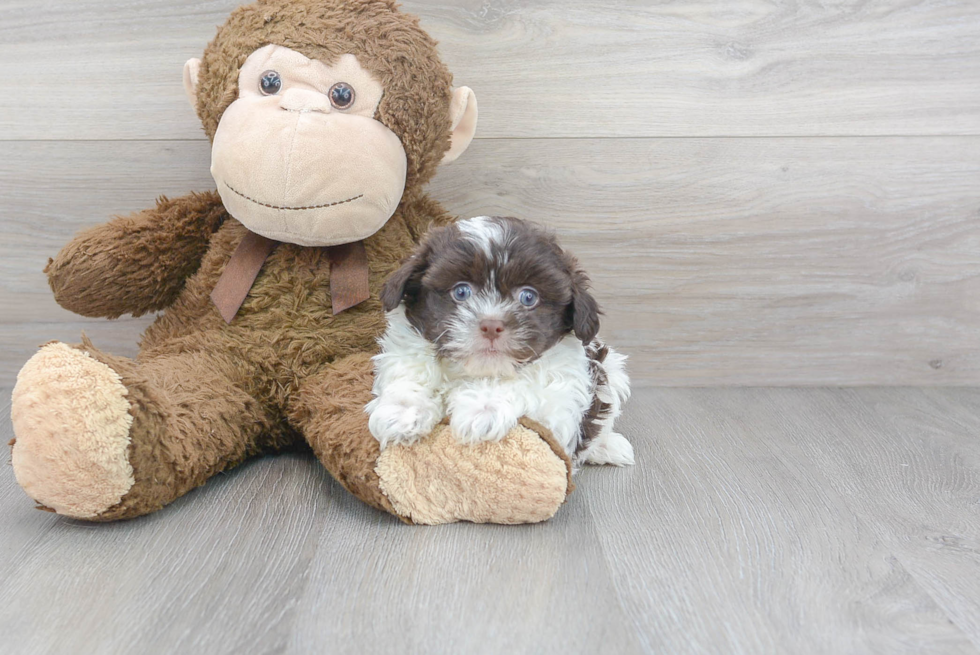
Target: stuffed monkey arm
pixel 138 263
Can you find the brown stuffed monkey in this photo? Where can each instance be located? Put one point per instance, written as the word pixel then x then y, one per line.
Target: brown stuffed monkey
pixel 326 119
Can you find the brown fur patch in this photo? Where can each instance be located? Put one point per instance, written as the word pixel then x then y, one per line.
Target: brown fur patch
pixel 599 410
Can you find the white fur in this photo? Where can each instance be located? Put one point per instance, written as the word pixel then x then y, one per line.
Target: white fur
pixel 406 373
pixel 484 232
pixel 609 448
pixel 466 343
pixel 414 389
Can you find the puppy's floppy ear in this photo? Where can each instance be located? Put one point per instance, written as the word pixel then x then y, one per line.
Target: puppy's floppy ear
pixel 584 309
pixel 406 279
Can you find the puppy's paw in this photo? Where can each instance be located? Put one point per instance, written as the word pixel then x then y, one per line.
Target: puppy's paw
pixel 401 422
pixel 476 419
pixel 609 448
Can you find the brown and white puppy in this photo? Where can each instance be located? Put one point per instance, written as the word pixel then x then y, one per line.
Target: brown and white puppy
pixel 488 321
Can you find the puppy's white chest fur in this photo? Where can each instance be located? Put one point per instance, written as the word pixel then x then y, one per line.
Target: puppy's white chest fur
pixel 415 389
pixel 553 390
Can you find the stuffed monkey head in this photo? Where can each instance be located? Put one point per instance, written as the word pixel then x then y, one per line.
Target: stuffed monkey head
pixel 322 113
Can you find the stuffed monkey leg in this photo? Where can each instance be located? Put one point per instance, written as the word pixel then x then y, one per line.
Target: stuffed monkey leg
pixel 101 438
pixel 522 479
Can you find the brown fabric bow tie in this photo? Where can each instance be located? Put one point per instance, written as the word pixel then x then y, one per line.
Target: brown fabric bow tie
pixel 348 274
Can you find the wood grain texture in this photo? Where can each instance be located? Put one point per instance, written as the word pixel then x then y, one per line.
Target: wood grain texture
pixel 234 563
pixel 111 69
pixel 22 530
pixel 779 259
pixel 463 588
pixel 718 261
pixel 756 520
pixel 753 552
pixel 909 465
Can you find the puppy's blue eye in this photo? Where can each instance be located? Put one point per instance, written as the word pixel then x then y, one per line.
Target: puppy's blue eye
pixel 528 297
pixel 462 291
pixel 270 83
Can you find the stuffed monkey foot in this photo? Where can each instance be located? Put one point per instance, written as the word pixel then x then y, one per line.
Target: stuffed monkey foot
pixel 524 478
pixel 71 420
pixel 101 438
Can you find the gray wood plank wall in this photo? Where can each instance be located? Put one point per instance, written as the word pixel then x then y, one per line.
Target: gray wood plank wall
pixel 765 193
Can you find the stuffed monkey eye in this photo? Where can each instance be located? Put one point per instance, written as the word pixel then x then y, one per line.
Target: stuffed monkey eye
pixel 341 95
pixel 270 83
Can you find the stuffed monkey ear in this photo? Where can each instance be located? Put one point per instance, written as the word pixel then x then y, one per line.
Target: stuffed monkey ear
pixel 191 70
pixel 463 112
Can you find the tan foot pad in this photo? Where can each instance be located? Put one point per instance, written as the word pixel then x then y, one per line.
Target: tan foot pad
pixel 71 423
pixel 438 480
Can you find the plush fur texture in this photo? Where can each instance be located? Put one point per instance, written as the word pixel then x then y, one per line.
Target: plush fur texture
pixel 489 321
pixel 441 481
pixel 204 395
pixel 90 473
pixel 136 264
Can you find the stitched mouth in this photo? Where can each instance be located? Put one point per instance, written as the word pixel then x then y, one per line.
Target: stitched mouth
pixel 265 204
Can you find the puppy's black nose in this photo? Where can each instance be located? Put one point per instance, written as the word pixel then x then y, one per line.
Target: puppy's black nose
pixel 491 328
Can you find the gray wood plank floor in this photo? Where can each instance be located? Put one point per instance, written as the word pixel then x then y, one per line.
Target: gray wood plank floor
pixel 757 520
